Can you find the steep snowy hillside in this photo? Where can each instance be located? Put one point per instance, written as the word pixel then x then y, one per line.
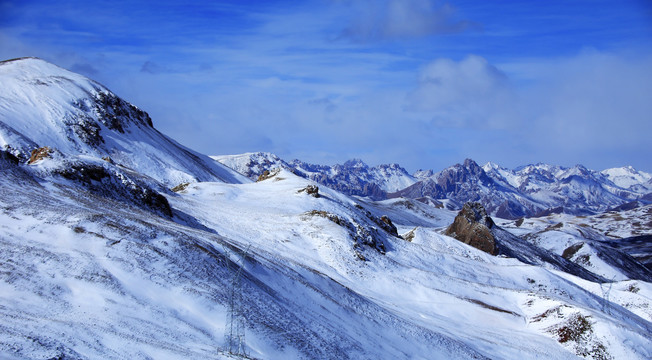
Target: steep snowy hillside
pixel 42 105
pixel 100 260
pixel 83 278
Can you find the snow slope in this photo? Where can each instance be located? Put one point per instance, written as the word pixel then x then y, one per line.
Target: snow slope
pixel 44 105
pixel 85 280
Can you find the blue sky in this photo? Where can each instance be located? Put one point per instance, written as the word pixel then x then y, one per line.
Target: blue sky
pixel 422 83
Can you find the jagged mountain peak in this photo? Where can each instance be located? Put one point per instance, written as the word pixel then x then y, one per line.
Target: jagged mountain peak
pixel 539 168
pixel 423 174
pixel 355 164
pixel 489 166
pixel 470 164
pixel 577 170
pixel 469 170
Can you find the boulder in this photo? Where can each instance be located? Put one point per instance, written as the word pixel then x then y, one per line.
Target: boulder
pixel 472 226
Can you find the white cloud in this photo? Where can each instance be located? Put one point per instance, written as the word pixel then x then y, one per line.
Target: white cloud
pixel 398 19
pixel 470 92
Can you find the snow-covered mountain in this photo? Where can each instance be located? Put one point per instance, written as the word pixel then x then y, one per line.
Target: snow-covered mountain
pixel 100 260
pixel 629 178
pixel 43 105
pixel 531 190
pixel 354 177
pixel 252 165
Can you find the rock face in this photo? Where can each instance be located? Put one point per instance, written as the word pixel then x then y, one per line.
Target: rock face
pixel 472 226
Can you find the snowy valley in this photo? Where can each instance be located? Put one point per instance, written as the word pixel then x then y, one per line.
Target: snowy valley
pixel 116 242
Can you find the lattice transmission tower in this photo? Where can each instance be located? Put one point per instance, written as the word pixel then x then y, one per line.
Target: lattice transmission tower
pixel 235 319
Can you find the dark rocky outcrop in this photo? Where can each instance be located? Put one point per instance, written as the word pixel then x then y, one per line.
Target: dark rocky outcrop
pixel 116 113
pixel 472 226
pixel 267 175
pixel 114 184
pixel 387 224
pixel 39 154
pixel 312 190
pixel 7 159
pixel 361 234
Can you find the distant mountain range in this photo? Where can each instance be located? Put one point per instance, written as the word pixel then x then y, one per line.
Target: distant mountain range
pixel 532 190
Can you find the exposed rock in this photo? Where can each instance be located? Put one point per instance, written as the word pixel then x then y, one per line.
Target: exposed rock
pixel 180 187
pixel 8 159
pixel 267 175
pixel 409 236
pixel 570 251
pixel 109 182
pixel 116 113
pixel 360 234
pixel 388 225
pixel 312 190
pixel 85 128
pixel 384 221
pixel 39 154
pixel 472 226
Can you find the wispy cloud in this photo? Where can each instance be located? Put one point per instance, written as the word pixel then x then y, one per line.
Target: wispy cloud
pixel 400 19
pixel 468 93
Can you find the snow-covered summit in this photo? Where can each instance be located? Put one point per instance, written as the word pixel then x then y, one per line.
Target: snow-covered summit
pixel 627 177
pixel 43 105
pixel 252 164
